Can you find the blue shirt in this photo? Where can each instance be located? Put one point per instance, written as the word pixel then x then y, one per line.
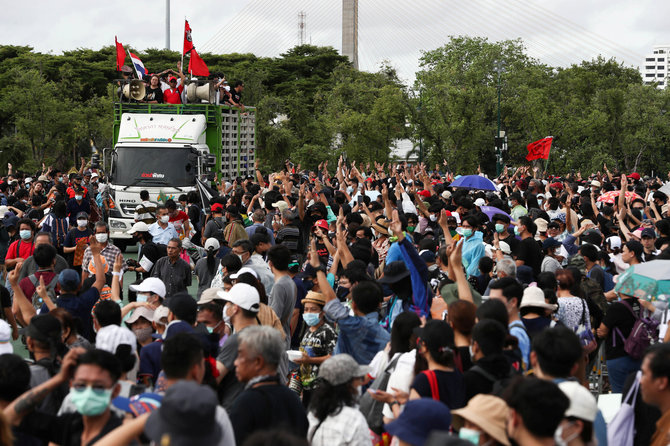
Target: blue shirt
pixel 162 236
pixel 360 336
pixel 251 230
pixel 80 307
pixel 518 330
pixel 473 251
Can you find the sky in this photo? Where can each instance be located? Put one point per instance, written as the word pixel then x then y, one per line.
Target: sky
pixel 557 32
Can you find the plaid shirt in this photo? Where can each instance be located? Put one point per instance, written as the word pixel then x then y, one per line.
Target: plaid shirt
pixel 109 253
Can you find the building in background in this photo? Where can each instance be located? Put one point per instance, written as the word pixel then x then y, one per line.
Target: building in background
pixel 350 31
pixel 655 67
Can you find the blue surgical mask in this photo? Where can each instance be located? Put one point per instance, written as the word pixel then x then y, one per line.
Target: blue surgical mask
pixel 467 232
pixel 470 435
pixel 78 197
pixel 90 402
pixel 311 319
pixel 516 230
pixel 509 203
pixel 142 297
pixel 500 228
pixel 25 234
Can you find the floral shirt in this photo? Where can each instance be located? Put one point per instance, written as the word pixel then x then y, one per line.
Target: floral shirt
pixel 316 343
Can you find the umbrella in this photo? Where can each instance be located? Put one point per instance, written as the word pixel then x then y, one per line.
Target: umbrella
pixel 490 211
pixel 611 196
pixel 649 281
pixel 474 182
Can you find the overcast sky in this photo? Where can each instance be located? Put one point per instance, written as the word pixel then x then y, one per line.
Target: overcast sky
pixel 556 32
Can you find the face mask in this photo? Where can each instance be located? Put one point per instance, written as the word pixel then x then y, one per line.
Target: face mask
pixel 516 230
pixel 165 218
pixel 470 435
pixel 239 256
pixel 78 197
pixel 500 228
pixel 467 232
pixel 558 437
pixel 433 217
pixel 411 228
pixel 311 319
pixel 309 284
pixel 342 292
pixel 142 297
pixel 226 318
pixel 82 223
pixel 90 402
pixel 143 334
pixel 350 190
pixel 539 201
pixel 101 238
pixel 60 179
pixel 25 234
pixel 472 354
pixel 509 203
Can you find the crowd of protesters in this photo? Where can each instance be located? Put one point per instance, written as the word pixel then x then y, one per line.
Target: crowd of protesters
pixel 360 305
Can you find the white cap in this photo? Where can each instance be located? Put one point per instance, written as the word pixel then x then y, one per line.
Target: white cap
pixel 281 205
pixel 446 195
pixel 28 180
pixel 242 295
pixel 111 336
pixel 480 202
pixel 595 183
pixel 210 295
pixel 582 404
pixel 534 297
pixel 140 226
pixel 5 338
pixel 505 248
pixel 212 243
pixel 246 269
pixel 94 175
pixel 614 241
pixel 146 313
pixel 541 224
pixel 150 285
pixel 160 313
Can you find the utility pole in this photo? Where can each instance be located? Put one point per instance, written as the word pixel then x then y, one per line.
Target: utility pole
pixel 419 110
pixel 167 24
pixel 500 138
pixel 302 27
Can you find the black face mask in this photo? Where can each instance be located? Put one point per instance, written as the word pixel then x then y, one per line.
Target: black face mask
pixel 637 213
pixel 308 284
pixel 342 292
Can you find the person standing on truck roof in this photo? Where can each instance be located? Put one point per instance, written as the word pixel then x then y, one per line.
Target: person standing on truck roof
pixel 235 98
pixel 172 94
pixel 154 92
pixel 145 212
pixel 162 231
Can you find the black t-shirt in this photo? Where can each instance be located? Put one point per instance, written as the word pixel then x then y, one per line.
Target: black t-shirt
pixel 5 298
pixel 154 94
pixel 65 429
pixel 512 241
pixel 152 252
pixel 530 252
pixel 451 387
pixel 235 96
pixel 619 316
pixel 606 226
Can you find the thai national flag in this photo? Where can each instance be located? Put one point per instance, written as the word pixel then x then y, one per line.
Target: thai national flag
pixel 139 66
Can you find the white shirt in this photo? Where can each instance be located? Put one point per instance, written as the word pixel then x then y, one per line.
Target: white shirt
pixel 346 428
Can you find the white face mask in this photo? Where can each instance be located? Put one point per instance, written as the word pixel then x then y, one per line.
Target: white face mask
pixel 433 217
pixel 226 318
pixel 558 437
pixel 165 218
pixel 82 223
pixel 101 238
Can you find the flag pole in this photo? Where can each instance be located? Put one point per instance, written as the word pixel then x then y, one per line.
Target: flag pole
pixel 131 61
pixel 546 162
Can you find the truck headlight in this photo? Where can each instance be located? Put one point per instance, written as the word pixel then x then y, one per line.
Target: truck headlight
pixel 117 224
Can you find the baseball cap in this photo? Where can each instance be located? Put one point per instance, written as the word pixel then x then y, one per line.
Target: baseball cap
pixel 44 328
pixel 541 224
pixel 648 232
pixel 427 256
pixel 614 241
pixel 110 337
pixel 550 243
pixel 186 416
pixel 139 312
pixel 424 193
pixel 504 247
pixel 244 270
pixel 160 313
pixel 635 176
pixel 419 419
pixel 582 404
pixel 210 295
pixel 68 279
pixel 172 78
pixel 242 295
pixel 216 207
pixel 150 285
pixel 5 338
pixel 480 202
pixel 140 226
pixel 489 412
pixel 281 205
pixel 323 224
pixel 339 369
pixel 83 214
pixel 446 195
pixel 212 244
pixel 94 175
pixel 28 180
pixel 595 183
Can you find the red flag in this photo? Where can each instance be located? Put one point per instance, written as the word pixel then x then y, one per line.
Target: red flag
pixel 188 41
pixel 120 54
pixel 539 149
pixel 197 66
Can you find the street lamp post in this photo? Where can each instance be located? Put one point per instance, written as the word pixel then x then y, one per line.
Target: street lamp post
pixel 499 139
pixel 419 110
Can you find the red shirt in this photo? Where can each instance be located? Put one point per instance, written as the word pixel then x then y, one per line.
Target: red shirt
pixel 173 95
pixel 179 220
pixel 25 250
pixel 71 193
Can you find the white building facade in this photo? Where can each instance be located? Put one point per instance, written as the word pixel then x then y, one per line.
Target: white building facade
pixel 655 67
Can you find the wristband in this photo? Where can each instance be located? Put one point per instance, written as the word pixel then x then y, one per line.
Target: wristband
pixel 116 273
pixel 393 403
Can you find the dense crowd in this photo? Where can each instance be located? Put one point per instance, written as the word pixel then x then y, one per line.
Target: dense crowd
pixel 360 305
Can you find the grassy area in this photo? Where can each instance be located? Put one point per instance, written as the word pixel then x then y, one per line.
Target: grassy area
pixel 128 278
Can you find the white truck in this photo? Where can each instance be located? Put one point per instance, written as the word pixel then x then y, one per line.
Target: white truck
pixel 164 149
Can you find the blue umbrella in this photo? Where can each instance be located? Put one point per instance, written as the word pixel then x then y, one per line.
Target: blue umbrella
pixel 649 281
pixel 474 182
pixel 490 211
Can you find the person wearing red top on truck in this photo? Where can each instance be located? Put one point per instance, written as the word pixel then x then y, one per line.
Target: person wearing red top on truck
pixel 23 248
pixel 172 95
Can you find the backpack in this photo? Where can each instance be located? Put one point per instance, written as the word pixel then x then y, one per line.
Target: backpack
pixel 592 289
pixel 59 231
pixel 219 232
pixel 51 291
pixel 642 335
pixel 371 408
pixel 499 384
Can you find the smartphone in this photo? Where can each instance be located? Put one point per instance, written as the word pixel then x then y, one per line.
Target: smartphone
pixel 360 199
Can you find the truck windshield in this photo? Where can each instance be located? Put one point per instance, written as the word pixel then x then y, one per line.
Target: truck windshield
pixel 154 166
